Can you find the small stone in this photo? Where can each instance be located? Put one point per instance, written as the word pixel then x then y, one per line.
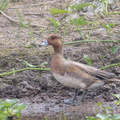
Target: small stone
pixel 46 108
pixel 58 102
pixel 112 7
pixel 90 0
pixel 61 105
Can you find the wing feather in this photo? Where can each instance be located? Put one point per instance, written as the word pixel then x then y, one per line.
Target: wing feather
pixel 94 71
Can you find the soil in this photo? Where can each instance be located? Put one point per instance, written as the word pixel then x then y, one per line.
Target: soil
pixel 42 94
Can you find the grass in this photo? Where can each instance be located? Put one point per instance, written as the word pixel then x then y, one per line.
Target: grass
pixel 4 4
pixel 10 109
pixel 108 112
pixel 20 70
pixel 75 24
pixel 86 58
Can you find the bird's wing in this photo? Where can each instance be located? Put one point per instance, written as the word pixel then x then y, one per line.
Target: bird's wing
pixel 93 71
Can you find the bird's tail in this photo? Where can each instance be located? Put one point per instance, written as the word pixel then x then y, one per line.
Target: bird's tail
pixel 112 80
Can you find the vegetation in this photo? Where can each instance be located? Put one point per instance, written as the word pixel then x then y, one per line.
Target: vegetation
pixel 10 109
pixel 4 4
pixel 108 112
pixel 56 25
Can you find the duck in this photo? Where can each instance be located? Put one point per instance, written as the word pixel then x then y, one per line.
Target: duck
pixel 73 74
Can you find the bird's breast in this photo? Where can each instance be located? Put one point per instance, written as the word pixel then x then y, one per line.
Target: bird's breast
pixel 69 81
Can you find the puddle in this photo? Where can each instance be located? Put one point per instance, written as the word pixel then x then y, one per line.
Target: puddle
pixel 53 111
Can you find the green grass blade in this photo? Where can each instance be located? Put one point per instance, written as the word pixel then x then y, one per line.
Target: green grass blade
pixel 21 20
pixel 87 59
pixel 80 6
pixel 3 5
pixel 113 13
pixel 58 11
pixel 55 23
pixel 114 49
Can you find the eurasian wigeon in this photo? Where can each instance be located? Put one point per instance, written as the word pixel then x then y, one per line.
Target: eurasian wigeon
pixel 74 74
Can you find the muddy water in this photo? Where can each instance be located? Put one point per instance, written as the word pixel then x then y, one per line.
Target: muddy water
pixel 39 111
pixel 36 83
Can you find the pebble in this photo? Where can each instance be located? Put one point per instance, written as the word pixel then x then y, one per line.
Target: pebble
pixel 112 7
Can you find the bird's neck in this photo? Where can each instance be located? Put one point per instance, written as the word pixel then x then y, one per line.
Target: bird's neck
pixel 58 50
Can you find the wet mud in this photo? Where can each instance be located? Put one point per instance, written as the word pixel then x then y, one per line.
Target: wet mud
pixel 42 94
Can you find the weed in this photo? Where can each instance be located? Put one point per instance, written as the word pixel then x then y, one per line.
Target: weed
pixel 22 24
pixel 87 59
pixel 111 65
pixel 55 24
pixel 109 113
pixel 58 11
pixel 77 22
pixel 4 4
pixel 29 65
pixel 10 109
pixel 77 7
pixel 107 27
pixel 114 49
pixel 40 31
pixel 102 56
pixel 20 70
pixel 73 42
pixel 105 4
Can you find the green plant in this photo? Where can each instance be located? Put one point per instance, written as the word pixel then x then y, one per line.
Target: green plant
pixel 111 65
pixel 87 59
pixel 109 113
pixel 55 24
pixel 107 27
pixel 44 64
pixel 77 23
pixel 105 7
pixel 22 24
pixel 29 65
pixel 4 4
pixel 114 49
pixel 30 44
pixel 102 56
pixel 77 7
pixel 58 11
pixel 13 71
pixel 9 109
pixel 105 3
pixel 25 25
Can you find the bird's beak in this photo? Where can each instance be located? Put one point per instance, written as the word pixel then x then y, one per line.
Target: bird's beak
pixel 44 43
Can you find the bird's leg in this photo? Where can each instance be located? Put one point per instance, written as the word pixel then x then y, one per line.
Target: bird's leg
pixel 83 94
pixel 75 95
pixel 74 100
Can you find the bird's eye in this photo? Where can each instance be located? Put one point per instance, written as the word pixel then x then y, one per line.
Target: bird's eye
pixel 53 37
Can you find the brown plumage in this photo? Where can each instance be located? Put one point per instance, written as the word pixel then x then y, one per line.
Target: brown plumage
pixel 74 74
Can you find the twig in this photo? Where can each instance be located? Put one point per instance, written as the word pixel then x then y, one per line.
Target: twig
pixel 117 64
pixel 89 41
pixel 44 69
pixel 28 68
pixel 9 17
pixel 16 21
pixel 35 4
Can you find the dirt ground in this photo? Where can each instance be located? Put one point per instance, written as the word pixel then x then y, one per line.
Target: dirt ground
pixel 42 94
